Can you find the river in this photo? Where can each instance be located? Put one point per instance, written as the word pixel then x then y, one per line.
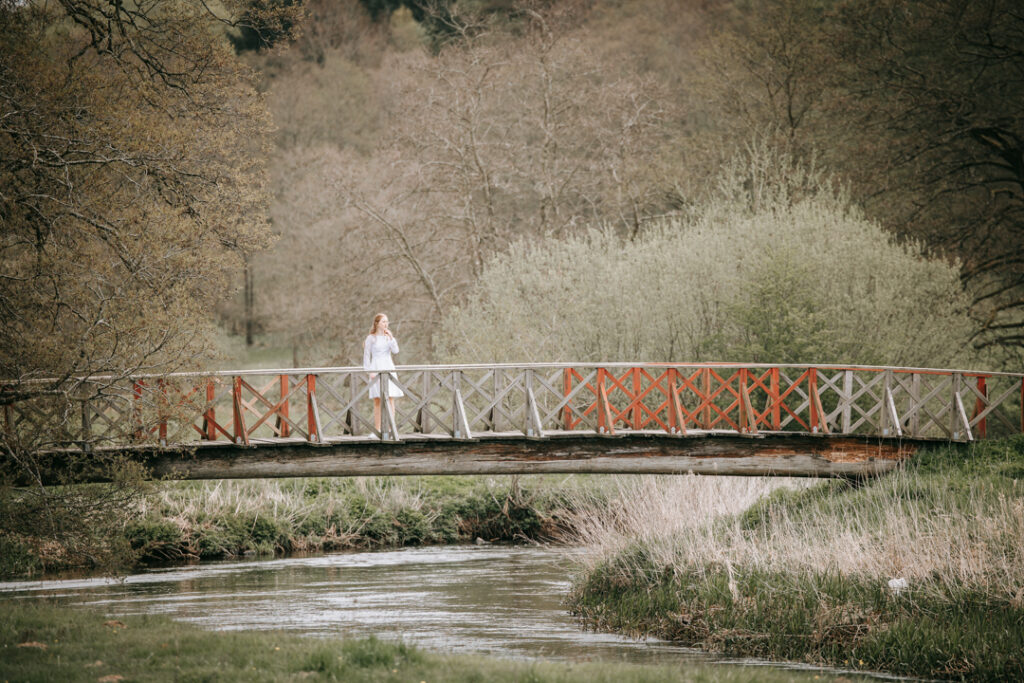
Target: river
pixel 495 600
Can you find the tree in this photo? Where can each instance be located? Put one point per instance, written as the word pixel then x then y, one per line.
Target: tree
pixel 131 186
pixel 788 276
pixel 499 136
pixel 939 84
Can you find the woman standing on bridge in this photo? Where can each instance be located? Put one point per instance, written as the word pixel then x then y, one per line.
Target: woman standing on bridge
pixel 377 350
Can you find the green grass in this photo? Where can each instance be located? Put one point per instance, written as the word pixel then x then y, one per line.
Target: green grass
pixel 76 645
pixel 185 521
pixel 948 626
pixel 267 517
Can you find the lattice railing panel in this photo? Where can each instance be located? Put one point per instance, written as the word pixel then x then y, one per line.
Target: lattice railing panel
pixel 472 401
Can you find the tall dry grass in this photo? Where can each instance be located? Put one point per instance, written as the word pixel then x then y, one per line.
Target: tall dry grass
pixel 664 513
pixel 926 529
pixel 286 502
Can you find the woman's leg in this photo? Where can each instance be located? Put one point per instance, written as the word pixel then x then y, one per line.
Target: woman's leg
pixel 391 406
pixel 376 413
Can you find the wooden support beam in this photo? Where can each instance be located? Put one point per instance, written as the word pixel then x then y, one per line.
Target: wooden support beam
pixel 460 425
pixel 605 422
pixel 776 390
pixel 916 404
pixel 636 416
pixel 847 400
pixel 822 419
pixel 979 407
pixel 567 392
pixel 209 415
pixel 889 412
pixel 677 423
pixel 748 420
pixel 767 455
pixel 533 428
pixel 964 422
pixel 315 431
pixel 706 388
pixel 281 425
pixel 241 434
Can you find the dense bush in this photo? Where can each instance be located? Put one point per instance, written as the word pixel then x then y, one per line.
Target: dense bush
pixel 780 277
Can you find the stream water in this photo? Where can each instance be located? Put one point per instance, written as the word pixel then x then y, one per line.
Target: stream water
pixel 495 600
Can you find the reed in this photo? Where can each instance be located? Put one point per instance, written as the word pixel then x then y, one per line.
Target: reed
pixel 804 572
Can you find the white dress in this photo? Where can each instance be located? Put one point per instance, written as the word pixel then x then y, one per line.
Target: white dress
pixel 377 350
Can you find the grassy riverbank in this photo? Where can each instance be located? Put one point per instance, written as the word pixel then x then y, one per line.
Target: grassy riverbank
pixel 804 575
pixel 186 521
pixel 42 642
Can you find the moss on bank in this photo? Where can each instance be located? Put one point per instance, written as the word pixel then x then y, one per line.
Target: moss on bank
pixel 42 642
pixel 946 623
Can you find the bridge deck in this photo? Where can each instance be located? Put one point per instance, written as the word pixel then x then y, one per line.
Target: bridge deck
pixel 823 420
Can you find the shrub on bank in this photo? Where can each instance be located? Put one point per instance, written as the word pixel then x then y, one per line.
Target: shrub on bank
pixel 805 575
pixel 226 519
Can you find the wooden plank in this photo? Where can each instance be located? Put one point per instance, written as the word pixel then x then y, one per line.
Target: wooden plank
pixel 822 418
pixel 891 415
pixel 677 421
pixel 567 392
pixel 770 455
pixel 533 428
pixel 964 422
pixel 241 433
pixel 915 401
pixel 460 426
pixel 316 429
pixel 606 425
pixel 705 418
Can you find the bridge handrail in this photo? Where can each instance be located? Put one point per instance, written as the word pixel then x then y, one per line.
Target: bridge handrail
pixel 316 370
pixel 536 400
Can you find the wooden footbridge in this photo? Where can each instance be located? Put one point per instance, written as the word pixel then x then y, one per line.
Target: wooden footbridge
pixel 710 418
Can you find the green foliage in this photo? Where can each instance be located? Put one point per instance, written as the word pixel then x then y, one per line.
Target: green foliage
pixel 188 520
pixel 822 618
pixel 61 525
pixel 76 645
pixel 788 275
pixel 154 539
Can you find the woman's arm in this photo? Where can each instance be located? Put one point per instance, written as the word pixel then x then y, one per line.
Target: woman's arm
pixel 393 343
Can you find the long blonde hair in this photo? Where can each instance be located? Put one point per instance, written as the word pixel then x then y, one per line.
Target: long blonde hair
pixel 376 321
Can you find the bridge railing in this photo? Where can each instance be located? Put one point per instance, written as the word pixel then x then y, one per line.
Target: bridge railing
pixel 325 405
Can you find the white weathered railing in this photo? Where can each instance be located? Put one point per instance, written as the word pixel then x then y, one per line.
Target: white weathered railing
pixel 533 401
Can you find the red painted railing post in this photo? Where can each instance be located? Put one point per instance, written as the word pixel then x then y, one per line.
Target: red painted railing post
pixel 776 410
pixel 282 422
pixel 239 418
pixel 812 391
pixel 605 421
pixel 706 413
pixel 636 393
pixel 314 433
pixel 209 416
pixel 744 419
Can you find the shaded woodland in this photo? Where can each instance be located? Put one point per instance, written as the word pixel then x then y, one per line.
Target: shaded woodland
pixel 799 180
pixel 416 142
